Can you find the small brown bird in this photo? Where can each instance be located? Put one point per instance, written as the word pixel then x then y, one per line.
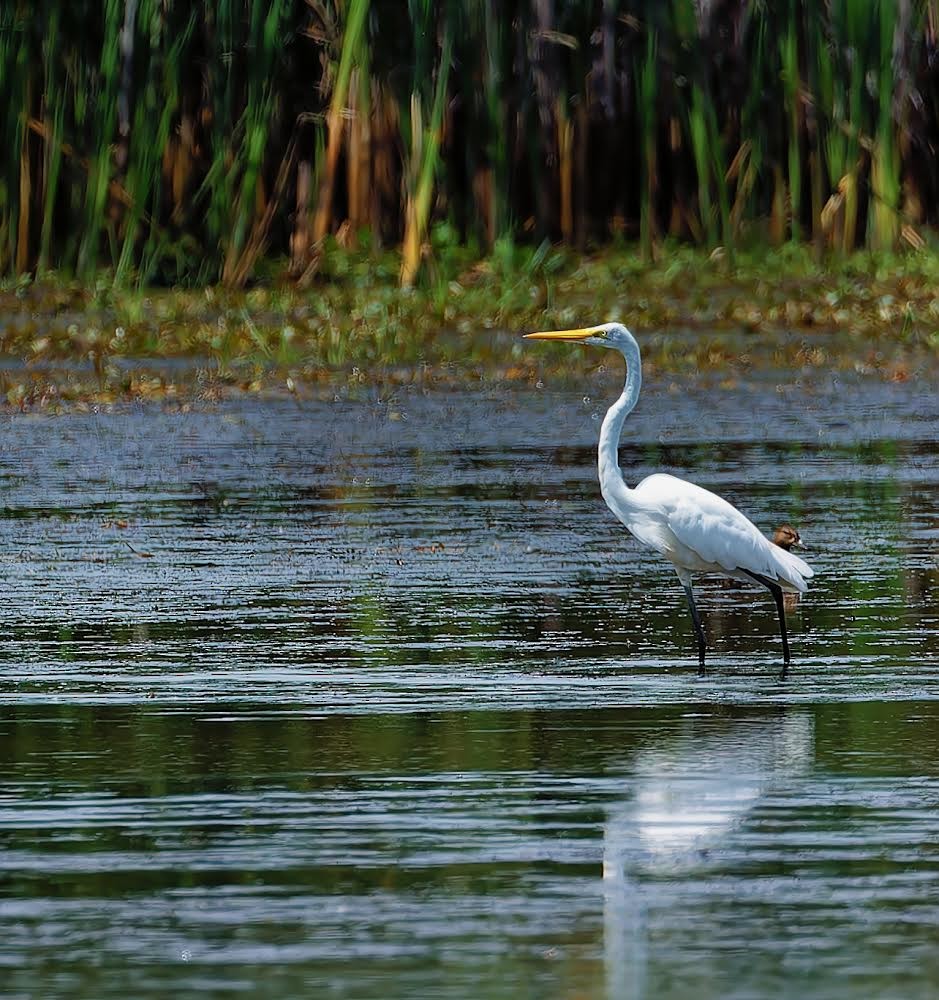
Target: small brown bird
pixel 786 537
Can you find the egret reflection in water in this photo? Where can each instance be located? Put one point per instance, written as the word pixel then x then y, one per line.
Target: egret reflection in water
pixel 686 800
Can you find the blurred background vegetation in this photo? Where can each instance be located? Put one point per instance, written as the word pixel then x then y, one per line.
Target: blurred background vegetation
pixel 162 142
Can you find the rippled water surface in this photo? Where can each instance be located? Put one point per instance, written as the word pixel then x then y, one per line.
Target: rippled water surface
pixel 371 697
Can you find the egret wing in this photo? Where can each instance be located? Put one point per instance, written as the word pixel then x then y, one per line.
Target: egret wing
pixel 717 533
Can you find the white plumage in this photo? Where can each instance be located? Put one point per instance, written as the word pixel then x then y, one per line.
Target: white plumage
pixel 696 530
pixel 700 532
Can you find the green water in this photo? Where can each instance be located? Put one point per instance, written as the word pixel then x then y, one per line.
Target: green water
pixel 372 698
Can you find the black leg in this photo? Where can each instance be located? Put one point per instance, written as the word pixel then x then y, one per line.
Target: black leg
pixel 695 617
pixel 777 593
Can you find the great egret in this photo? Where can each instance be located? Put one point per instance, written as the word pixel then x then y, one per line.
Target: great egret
pixel 696 530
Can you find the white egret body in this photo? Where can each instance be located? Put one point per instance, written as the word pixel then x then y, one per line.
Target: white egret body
pixel 696 530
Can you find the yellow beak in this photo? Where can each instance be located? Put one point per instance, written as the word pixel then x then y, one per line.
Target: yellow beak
pixel 582 334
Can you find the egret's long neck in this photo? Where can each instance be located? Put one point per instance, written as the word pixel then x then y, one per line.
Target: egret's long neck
pixel 607 451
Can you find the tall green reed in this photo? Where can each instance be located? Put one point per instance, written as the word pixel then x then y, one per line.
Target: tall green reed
pixel 101 114
pixel 647 74
pixel 199 143
pixel 792 90
pixel 885 155
pixel 428 97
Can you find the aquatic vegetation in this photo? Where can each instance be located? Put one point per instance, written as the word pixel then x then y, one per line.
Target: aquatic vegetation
pixel 878 313
pixel 167 143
